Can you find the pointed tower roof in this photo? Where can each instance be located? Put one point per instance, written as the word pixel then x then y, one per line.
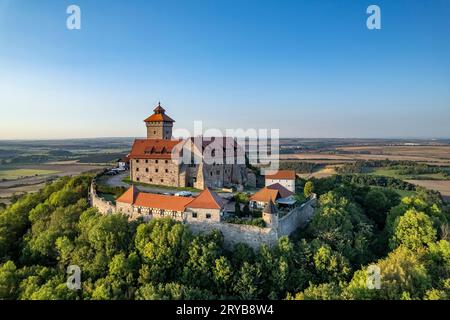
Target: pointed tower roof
pixel 270 208
pixel 129 196
pixel 159 109
pixel 159 115
pixel 207 199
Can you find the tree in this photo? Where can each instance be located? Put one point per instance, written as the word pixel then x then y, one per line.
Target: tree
pixel 163 245
pixel 403 274
pixel 377 205
pixel 340 223
pixel 308 190
pixel 203 252
pixel 223 275
pixel 248 282
pixel 323 291
pixel 330 266
pixel 172 291
pixel 8 280
pixel 413 230
pixel 437 260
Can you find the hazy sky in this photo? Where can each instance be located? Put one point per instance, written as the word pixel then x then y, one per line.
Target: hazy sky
pixel 309 68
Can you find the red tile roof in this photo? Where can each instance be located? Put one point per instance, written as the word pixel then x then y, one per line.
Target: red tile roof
pixel 265 195
pixel 282 175
pixel 153 149
pixel 159 115
pixel 125 158
pixel 284 193
pixel 129 196
pixel 207 200
pixel 272 192
pixel 159 201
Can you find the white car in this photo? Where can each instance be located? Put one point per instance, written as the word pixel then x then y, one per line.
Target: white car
pixel 183 194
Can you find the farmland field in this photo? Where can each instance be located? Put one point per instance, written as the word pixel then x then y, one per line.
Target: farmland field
pixel 439 152
pixel 20 182
pixel 25 166
pixel 443 186
pixel 321 173
pixel 388 172
pixel 343 158
pixel 12 174
pixel 329 154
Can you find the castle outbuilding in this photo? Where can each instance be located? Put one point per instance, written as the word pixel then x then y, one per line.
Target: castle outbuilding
pixel 207 206
pixel 284 177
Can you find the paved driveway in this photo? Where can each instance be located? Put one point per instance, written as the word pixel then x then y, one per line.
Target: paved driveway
pixel 117 181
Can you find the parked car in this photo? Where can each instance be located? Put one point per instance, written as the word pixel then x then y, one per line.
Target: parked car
pixel 183 194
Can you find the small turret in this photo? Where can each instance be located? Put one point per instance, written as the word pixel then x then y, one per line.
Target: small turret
pixel 270 215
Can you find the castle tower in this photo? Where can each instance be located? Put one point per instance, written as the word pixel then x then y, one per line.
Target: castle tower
pixel 159 125
pixel 270 215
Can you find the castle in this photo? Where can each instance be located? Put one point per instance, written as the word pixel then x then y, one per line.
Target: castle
pixel 204 164
pixel 161 160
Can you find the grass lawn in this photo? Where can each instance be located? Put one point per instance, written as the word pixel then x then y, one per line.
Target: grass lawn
pixel 108 197
pixel 191 189
pixel 12 174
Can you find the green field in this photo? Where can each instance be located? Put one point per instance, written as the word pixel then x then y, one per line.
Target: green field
pixel 12 174
pixel 401 193
pixel 387 172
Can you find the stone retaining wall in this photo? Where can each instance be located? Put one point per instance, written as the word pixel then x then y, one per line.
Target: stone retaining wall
pixel 233 234
pixel 297 218
pixel 103 206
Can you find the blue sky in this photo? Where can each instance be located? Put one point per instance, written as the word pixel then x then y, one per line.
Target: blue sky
pixel 309 68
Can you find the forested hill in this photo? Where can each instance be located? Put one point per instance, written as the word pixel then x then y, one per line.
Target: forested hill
pixel 355 226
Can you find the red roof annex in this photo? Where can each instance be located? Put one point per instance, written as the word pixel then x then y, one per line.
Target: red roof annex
pixel 205 200
pixel 282 175
pixel 272 192
pixel 153 148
